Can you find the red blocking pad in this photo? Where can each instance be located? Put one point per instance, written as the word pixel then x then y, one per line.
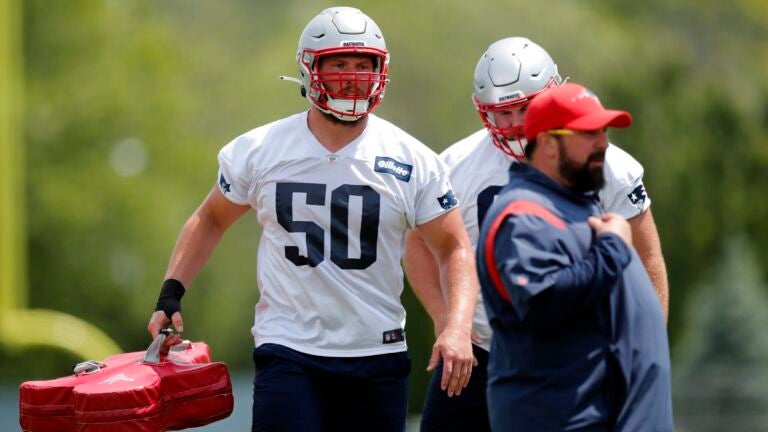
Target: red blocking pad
pixel 125 393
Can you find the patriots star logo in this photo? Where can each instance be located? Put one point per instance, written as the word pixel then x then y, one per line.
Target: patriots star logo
pixel 637 196
pixel 448 200
pixel 223 183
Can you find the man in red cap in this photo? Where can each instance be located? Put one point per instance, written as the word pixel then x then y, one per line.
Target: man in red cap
pixel 579 339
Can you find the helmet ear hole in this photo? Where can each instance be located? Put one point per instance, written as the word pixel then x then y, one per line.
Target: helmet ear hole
pixel 303 92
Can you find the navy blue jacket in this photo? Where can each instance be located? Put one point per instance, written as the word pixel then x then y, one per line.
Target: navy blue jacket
pixel 580 341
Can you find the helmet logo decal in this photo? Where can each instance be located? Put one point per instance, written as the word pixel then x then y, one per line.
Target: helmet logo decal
pixel 516 95
pixel 353 44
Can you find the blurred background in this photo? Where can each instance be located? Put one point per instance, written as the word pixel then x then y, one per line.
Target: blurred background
pixel 113 111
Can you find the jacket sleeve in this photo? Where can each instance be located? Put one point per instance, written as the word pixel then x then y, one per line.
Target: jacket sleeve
pixel 543 284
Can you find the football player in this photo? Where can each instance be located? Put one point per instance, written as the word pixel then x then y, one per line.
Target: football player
pixel 508 76
pixel 335 189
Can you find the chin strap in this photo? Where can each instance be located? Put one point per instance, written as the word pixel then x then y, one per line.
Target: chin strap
pixel 291 79
pixel 297 81
pixel 341 105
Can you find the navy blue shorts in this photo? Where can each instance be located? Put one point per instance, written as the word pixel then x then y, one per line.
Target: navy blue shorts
pixel 294 391
pixel 466 412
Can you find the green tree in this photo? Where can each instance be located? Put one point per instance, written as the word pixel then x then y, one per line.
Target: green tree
pixel 720 377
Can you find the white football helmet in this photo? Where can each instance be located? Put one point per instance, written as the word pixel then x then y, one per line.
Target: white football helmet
pixel 509 74
pixel 343 30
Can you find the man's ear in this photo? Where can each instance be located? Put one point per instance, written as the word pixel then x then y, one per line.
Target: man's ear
pixel 548 144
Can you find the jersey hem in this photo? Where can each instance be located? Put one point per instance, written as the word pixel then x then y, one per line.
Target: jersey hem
pixel 394 348
pixel 233 199
pixel 435 216
pixel 483 345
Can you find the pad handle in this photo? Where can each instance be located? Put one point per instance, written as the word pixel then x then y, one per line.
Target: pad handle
pixel 155 351
pixel 155 348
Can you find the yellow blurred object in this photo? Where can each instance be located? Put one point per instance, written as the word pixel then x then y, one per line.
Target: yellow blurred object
pixel 12 250
pixel 26 328
pixel 21 328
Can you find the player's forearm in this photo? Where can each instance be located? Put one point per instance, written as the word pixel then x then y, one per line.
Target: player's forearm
pixel 648 246
pixel 459 277
pixel 196 242
pixel 424 278
pixel 449 243
pixel 657 271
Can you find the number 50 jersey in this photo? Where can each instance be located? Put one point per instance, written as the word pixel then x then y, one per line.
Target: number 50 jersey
pixel 329 260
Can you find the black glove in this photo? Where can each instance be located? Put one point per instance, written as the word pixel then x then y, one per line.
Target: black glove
pixel 169 300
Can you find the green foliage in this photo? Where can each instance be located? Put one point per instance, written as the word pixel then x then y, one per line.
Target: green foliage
pixel 35 364
pixel 129 102
pixel 720 381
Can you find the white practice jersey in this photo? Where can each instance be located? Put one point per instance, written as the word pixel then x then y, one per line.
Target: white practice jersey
pixel 479 170
pixel 329 259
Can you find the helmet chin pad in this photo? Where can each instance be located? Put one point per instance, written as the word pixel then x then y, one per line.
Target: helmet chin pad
pixel 512 144
pixel 514 147
pixel 345 109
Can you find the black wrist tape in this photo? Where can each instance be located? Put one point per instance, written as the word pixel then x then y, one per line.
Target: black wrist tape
pixel 169 300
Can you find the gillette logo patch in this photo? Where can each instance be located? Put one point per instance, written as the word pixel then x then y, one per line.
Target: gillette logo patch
pixel 387 165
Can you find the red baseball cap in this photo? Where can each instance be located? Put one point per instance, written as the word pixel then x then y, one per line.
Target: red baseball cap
pixel 570 106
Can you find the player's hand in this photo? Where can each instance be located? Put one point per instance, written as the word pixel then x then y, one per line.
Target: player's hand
pixel 612 223
pixel 454 347
pixel 159 321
